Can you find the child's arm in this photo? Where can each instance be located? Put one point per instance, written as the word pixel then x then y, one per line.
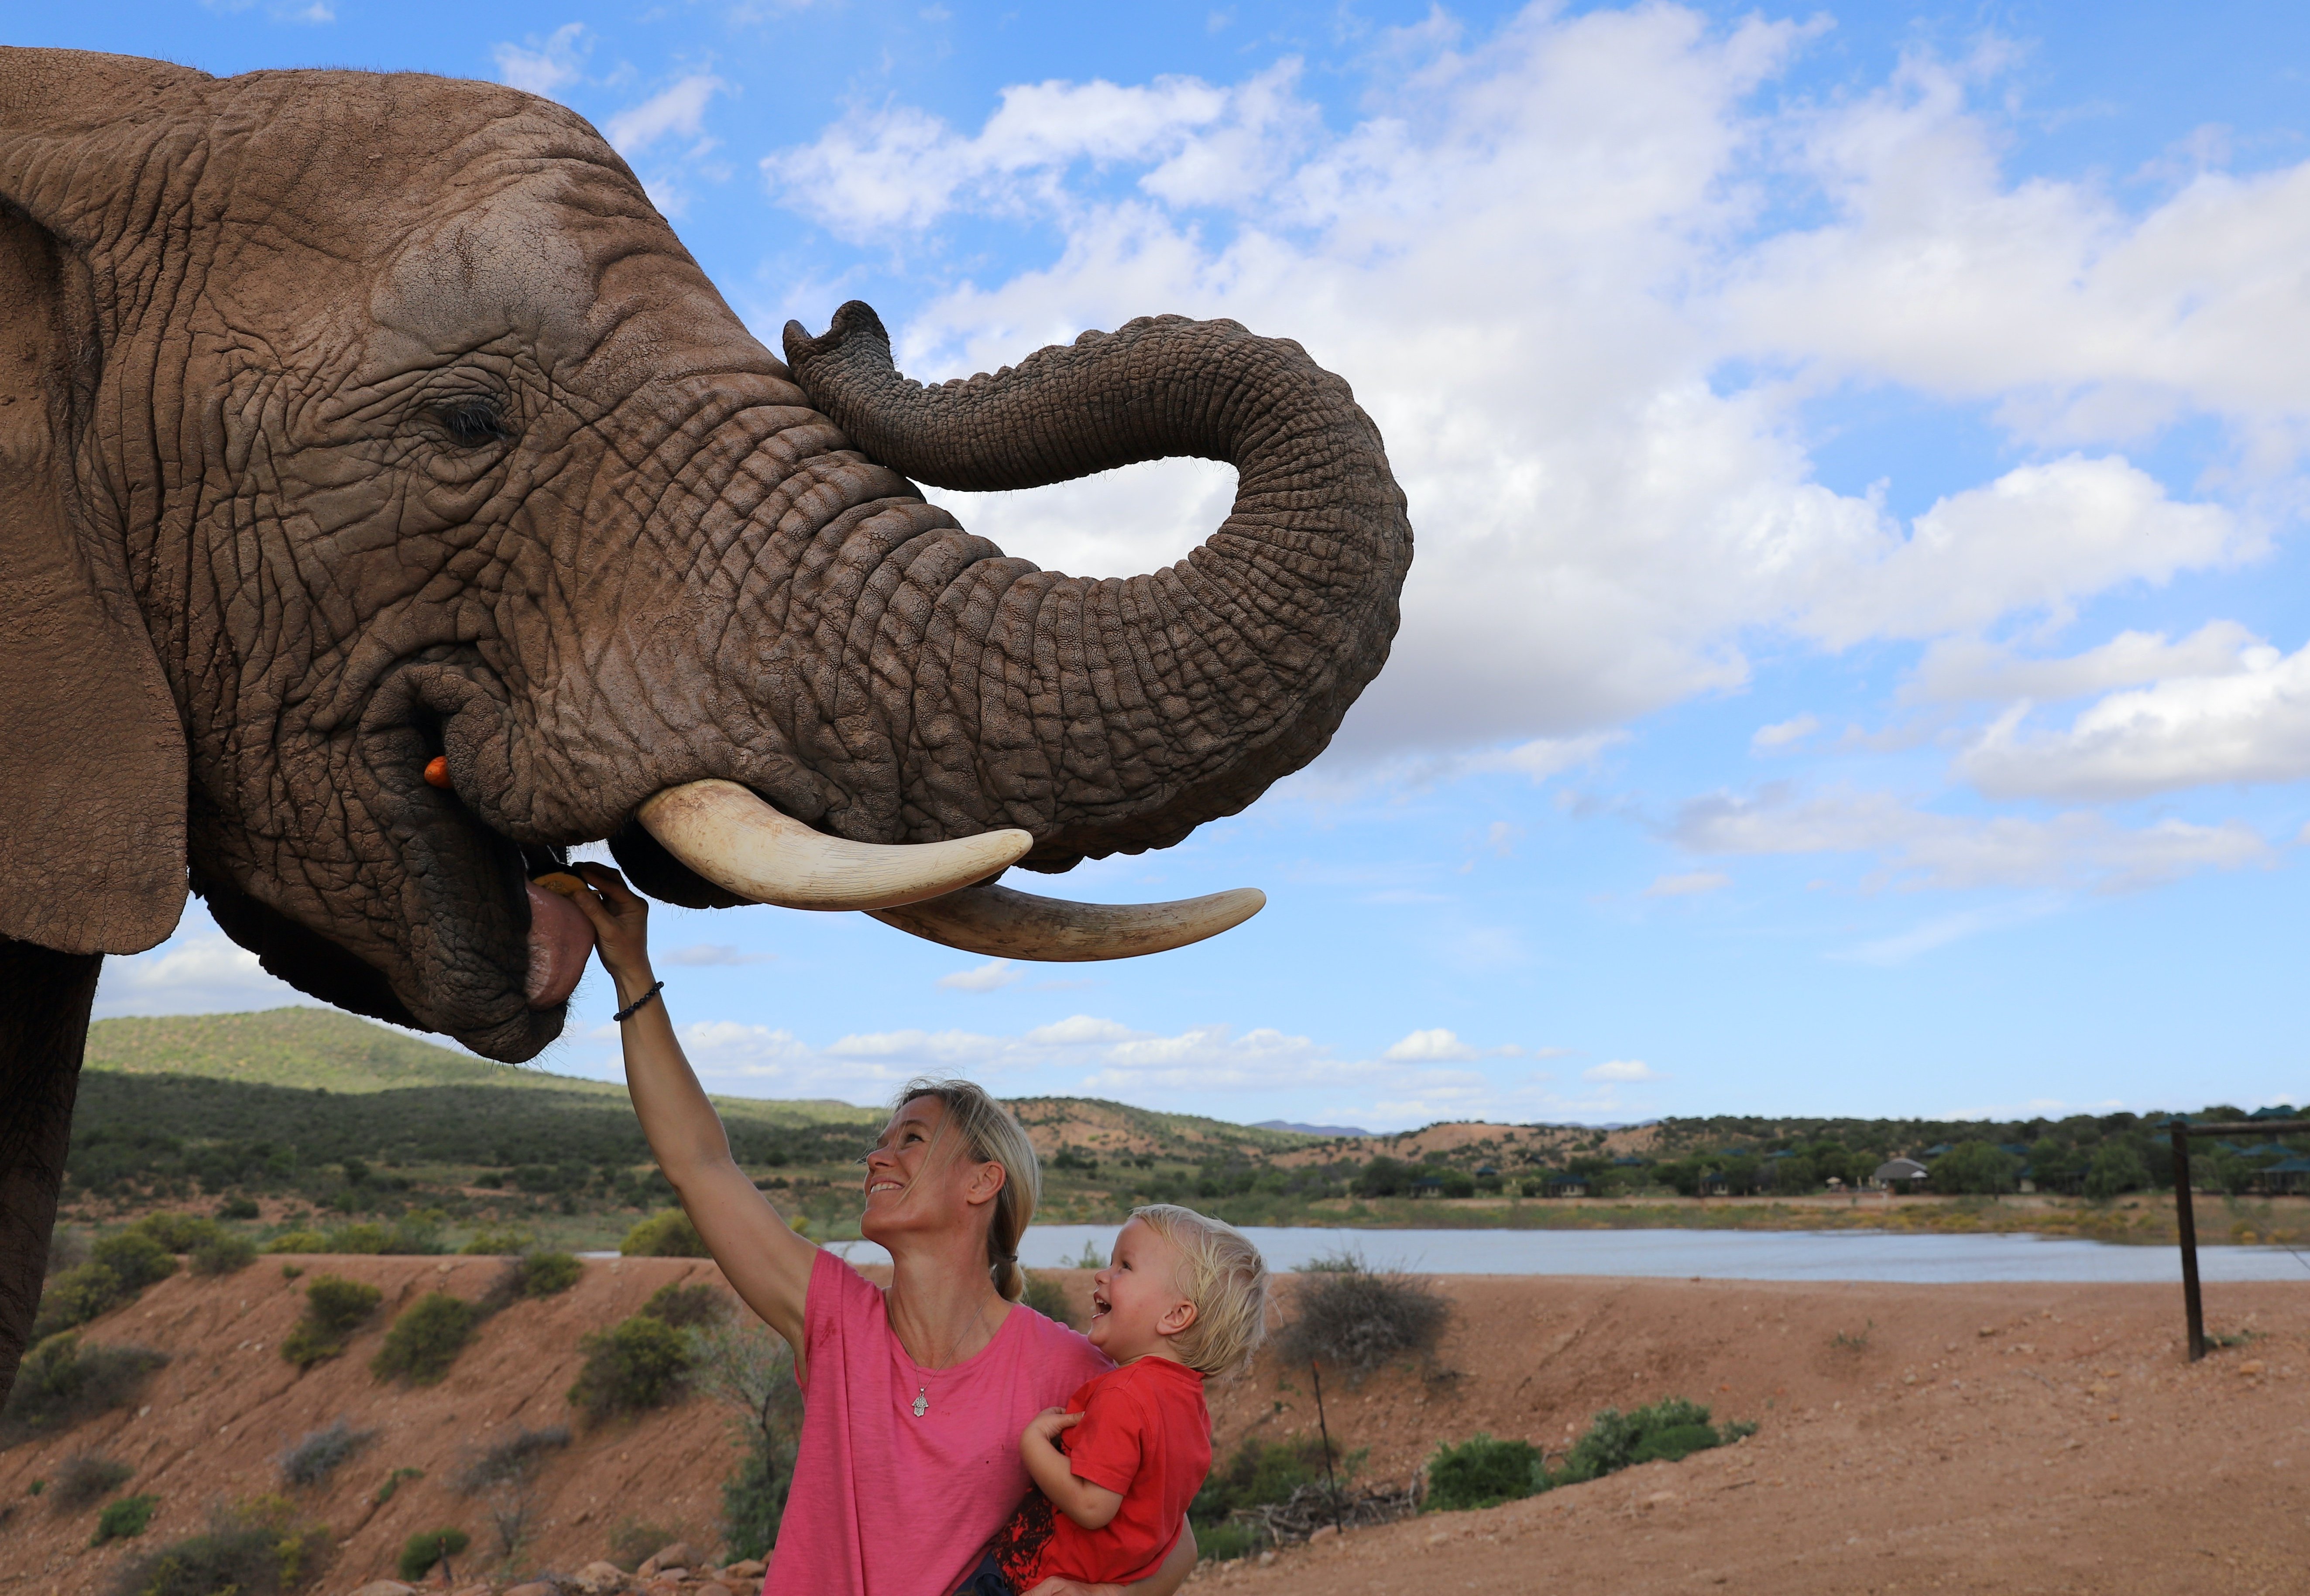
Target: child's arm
pixel 1090 1506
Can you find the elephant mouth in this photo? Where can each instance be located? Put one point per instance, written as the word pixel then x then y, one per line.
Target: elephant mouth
pixel 560 940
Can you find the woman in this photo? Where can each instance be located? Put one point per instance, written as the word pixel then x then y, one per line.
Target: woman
pixel 914 1396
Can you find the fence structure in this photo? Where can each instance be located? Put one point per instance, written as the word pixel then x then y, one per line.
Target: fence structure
pixel 2186 1217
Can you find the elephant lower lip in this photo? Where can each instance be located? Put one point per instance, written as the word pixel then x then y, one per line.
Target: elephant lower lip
pixel 560 939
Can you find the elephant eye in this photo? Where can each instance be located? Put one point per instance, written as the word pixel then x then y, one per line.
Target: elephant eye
pixel 472 423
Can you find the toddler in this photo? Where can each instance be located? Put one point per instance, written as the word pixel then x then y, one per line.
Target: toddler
pixel 1182 1297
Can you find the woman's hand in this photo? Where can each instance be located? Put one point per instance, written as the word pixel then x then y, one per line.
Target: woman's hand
pixel 621 919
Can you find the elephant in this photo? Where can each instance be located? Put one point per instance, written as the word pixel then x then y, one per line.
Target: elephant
pixel 389 503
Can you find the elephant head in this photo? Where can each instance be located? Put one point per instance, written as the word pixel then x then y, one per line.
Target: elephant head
pixel 358 424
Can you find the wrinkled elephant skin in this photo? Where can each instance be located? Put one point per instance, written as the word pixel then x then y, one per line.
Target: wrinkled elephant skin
pixel 350 421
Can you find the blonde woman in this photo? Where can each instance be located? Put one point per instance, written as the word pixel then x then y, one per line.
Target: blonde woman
pixel 913 1395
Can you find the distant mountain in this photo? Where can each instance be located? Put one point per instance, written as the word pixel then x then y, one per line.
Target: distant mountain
pixel 1285 1124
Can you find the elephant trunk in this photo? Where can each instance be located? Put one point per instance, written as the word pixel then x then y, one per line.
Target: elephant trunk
pixel 1116 715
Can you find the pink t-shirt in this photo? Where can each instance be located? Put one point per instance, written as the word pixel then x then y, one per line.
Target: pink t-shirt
pixel 888 1503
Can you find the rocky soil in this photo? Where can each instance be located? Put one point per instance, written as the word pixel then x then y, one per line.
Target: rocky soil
pixel 1992 1438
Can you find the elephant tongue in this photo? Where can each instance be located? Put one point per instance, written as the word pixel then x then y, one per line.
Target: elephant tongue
pixel 560 939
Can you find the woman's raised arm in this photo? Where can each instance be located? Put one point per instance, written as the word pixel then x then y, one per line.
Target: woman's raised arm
pixel 760 1253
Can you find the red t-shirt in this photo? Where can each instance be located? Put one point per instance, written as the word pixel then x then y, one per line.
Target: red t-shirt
pixel 1146 1435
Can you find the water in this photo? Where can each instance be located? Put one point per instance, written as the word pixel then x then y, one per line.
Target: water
pixel 1706 1255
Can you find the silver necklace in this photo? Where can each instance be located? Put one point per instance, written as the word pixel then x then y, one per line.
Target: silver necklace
pixel 922 1402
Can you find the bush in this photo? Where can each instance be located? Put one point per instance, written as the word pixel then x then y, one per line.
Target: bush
pixel 639 1364
pixel 1482 1472
pixel 123 1518
pixel 62 1381
pixel 1356 1318
pixel 426 1340
pixel 684 1307
pixel 85 1477
pixel 1668 1429
pixel 334 1307
pixel 2116 1168
pixel 668 1235
pixel 136 1257
pixel 238 1208
pixel 546 1274
pixel 311 1461
pixel 258 1549
pixel 386 1492
pixel 177 1232
pixel 1259 1472
pixel 422 1551
pixel 486 1242
pixel 1383 1177
pixel 226 1255
pixel 513 1459
pixel 1048 1297
pixel 1975 1166
pixel 754 1499
pixel 297 1241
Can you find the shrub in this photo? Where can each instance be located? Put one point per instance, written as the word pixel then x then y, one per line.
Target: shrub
pixel 358 1240
pixel 1383 1177
pixel 62 1380
pixel 486 1242
pixel 633 1541
pixel 668 1235
pixel 136 1257
pixel 297 1241
pixel 226 1255
pixel 334 1307
pixel 426 1340
pixel 514 1459
pixel 258 1549
pixel 85 1477
pixel 76 1296
pixel 177 1232
pixel 386 1492
pixel 1048 1297
pixel 422 1551
pixel 754 1499
pixel 2116 1168
pixel 1356 1318
pixel 684 1307
pixel 1975 1166
pixel 123 1518
pixel 238 1208
pixel 745 1367
pixel 641 1363
pixel 546 1274
pixel 1259 1472
pixel 1668 1429
pixel 311 1461
pixel 1482 1472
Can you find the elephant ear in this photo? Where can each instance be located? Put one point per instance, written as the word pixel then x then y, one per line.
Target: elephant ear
pixel 93 792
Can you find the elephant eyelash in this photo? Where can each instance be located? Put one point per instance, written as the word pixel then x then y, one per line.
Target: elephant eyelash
pixel 472 423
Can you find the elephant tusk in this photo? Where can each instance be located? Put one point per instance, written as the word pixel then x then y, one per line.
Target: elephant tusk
pixel 1006 924
pixel 741 845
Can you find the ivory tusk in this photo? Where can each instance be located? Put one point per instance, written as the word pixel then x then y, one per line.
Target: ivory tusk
pixel 741 845
pixel 1006 924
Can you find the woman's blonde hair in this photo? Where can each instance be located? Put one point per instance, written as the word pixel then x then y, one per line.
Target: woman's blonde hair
pixel 1224 1276
pixel 987 1134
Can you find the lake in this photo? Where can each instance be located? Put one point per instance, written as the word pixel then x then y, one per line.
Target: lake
pixel 1706 1255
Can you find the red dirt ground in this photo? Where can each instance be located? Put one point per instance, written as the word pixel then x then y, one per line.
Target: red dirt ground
pixel 1985 1439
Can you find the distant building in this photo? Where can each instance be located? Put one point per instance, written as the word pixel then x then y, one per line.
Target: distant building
pixel 1568 1185
pixel 1895 1175
pixel 2288 1174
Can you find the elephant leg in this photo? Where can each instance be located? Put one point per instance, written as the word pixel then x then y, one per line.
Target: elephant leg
pixel 44 1002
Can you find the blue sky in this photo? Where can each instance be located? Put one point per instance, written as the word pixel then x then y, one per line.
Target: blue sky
pixel 1858 657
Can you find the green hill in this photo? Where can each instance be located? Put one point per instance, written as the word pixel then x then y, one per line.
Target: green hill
pixel 321 1049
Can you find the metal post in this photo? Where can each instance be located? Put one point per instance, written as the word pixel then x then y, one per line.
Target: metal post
pixel 1316 1375
pixel 2187 1222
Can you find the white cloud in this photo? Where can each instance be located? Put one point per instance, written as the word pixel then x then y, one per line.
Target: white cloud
pixel 196 971
pixel 678 109
pixel 1624 1070
pixel 1535 257
pixel 2248 723
pixel 706 954
pixel 991 976
pixel 546 67
pixel 1968 669
pixel 1943 929
pixel 1780 734
pixel 1689 884
pixel 1920 849
pixel 1438 1044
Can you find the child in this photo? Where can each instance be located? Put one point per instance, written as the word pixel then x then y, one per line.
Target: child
pixel 1184 1297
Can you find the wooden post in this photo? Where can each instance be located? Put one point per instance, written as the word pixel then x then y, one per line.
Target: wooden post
pixel 1324 1425
pixel 2187 1223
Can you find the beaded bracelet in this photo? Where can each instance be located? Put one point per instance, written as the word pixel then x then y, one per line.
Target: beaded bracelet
pixel 635 1007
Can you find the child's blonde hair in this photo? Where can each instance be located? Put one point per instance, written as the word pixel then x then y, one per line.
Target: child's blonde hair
pixel 1224 1276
